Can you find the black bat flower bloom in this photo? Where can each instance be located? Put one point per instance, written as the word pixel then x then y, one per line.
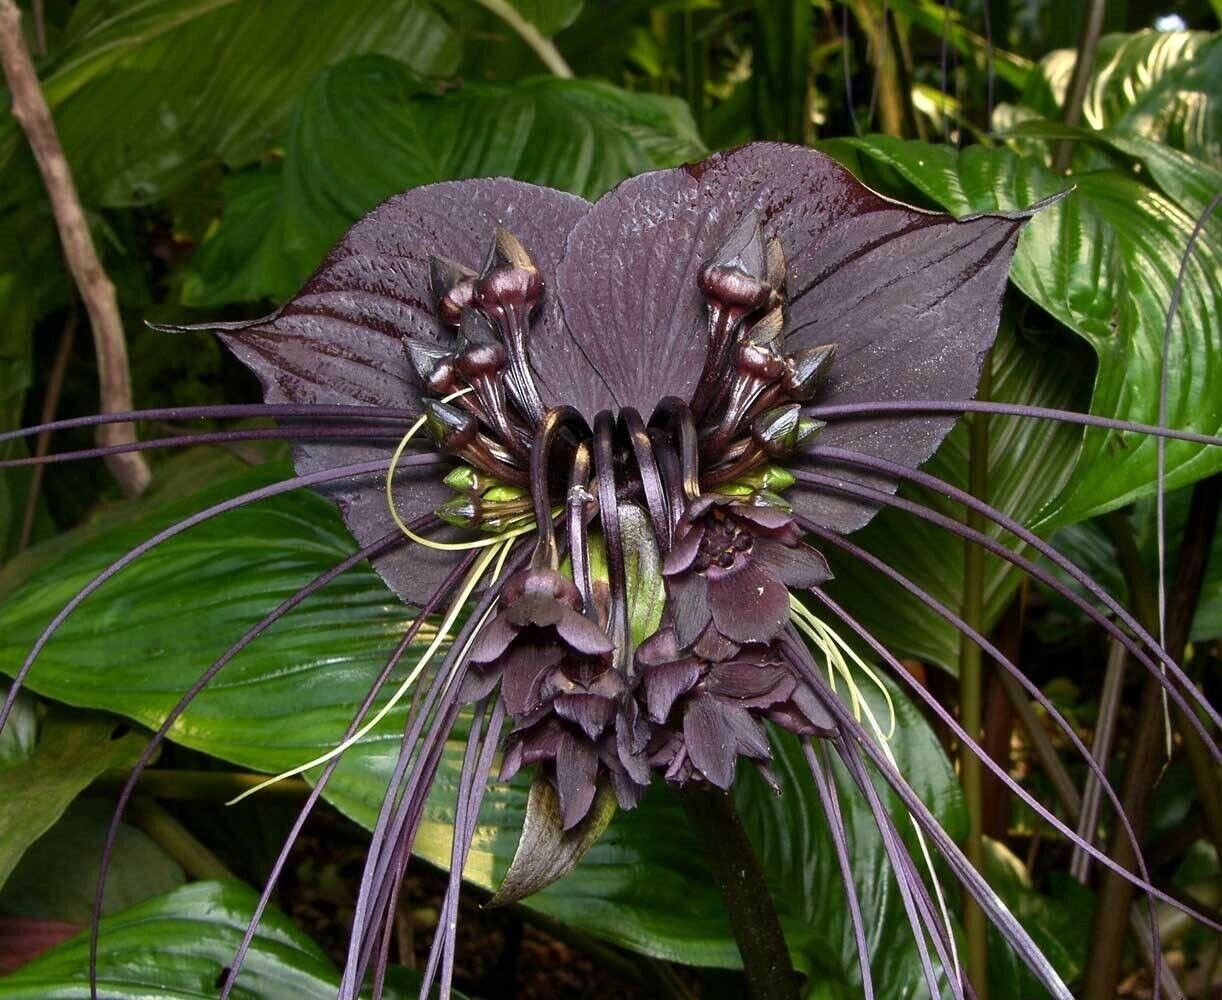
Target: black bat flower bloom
pixel 622 428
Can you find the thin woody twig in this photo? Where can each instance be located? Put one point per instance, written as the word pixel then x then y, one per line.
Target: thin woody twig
pixel 50 403
pixel 96 291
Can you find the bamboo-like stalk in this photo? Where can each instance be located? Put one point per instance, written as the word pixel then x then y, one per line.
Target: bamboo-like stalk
pixel 971 689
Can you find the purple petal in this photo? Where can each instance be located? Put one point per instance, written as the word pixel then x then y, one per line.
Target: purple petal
pixel 797 566
pixel 684 551
pixel 587 711
pixel 576 774
pixel 492 640
pixel 667 682
pixel 661 647
pixel 582 634
pixel 689 604
pixel 714 647
pixel 711 740
pixel 522 676
pixel 754 685
pixel 748 604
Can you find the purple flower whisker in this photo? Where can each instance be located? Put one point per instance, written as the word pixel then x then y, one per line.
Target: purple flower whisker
pixel 1000 658
pixel 223 411
pixel 355 470
pixel 855 736
pixel 428 608
pixel 830 800
pixel 948 719
pixel 290 433
pixel 866 410
pixel 913 893
pixel 839 456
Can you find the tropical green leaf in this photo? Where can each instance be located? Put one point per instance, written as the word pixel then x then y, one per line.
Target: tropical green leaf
pixel 1161 85
pixel 179 946
pixel 57 877
pixel 368 128
pixel 143 94
pixel 1103 261
pixel 71 751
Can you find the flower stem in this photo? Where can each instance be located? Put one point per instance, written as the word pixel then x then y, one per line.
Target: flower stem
pixel 542 46
pixel 737 872
pixel 971 771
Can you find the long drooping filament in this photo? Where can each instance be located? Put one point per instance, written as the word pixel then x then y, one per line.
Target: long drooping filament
pixel 253 496
pixel 894 469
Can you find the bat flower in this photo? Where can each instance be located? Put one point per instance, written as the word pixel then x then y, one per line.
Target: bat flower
pixel 553 426
pixel 708 710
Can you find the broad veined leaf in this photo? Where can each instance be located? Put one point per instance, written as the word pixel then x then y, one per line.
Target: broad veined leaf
pixel 368 128
pixel 146 636
pixel 1161 85
pixel 1103 261
pixel 72 749
pixel 180 945
pixel 145 91
pixel 57 877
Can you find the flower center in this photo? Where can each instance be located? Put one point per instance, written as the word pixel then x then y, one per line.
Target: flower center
pixel 519 461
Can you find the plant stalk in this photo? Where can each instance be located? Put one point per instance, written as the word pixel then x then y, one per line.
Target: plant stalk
pixel 736 870
pixel 971 689
pixel 1146 760
pixel 1084 65
pixel 541 45
pixel 97 292
pixel 890 92
pixel 177 841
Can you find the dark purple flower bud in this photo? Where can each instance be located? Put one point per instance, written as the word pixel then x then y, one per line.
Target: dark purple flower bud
pixel 451 428
pixel 783 430
pixel 736 276
pixel 453 288
pixel 807 371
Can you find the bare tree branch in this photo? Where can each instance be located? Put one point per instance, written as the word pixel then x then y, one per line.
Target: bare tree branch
pixel 114 380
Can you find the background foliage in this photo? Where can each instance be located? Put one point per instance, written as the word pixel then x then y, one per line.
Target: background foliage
pixel 221 147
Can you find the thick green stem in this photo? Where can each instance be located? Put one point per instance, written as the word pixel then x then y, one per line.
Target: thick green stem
pixel 971 688
pixel 737 872
pixel 177 841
